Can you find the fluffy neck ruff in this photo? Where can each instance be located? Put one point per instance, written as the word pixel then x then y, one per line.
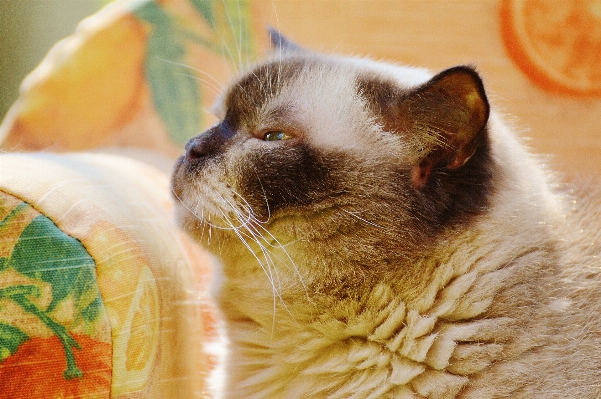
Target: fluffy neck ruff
pixel 456 329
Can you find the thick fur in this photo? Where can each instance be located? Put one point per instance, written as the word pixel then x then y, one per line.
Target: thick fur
pixel 380 251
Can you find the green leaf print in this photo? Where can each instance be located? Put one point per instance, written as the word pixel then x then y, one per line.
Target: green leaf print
pixel 91 312
pixel 10 340
pixel 205 8
pixel 21 294
pixel 13 214
pixel 4 264
pixel 175 91
pixel 44 252
pixel 236 31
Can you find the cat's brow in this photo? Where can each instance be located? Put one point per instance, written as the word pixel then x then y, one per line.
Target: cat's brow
pixel 248 96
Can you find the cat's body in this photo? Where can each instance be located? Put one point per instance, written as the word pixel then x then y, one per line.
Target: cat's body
pixel 382 236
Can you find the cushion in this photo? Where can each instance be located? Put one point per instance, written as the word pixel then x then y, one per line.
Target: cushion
pixel 101 295
pixel 137 74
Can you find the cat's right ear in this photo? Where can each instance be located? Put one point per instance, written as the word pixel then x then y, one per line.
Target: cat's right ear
pixel 447 118
pixel 443 121
pixel 281 43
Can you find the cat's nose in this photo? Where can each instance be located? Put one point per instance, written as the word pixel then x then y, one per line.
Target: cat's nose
pixel 208 143
pixel 196 147
pixel 203 145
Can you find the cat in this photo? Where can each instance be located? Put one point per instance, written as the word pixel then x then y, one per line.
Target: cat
pixel 382 233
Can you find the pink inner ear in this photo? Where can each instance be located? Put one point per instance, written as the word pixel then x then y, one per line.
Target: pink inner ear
pixel 421 172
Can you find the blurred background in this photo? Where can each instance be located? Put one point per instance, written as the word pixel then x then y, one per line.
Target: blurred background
pixel 540 59
pixel 28 28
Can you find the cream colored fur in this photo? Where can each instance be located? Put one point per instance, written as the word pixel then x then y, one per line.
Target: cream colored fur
pixel 507 308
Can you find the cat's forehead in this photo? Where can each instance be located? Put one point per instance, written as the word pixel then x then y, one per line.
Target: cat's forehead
pixel 321 95
pixel 316 74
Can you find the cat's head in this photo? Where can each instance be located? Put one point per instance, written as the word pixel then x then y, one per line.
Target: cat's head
pixel 312 148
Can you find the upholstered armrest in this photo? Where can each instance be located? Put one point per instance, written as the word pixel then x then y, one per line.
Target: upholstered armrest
pixel 101 295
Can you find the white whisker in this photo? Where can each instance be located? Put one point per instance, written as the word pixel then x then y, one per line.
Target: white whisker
pixel 215 85
pixel 286 253
pixel 354 214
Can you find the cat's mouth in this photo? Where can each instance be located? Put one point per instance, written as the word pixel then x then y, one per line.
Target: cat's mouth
pixel 214 212
pixel 216 208
pixel 208 207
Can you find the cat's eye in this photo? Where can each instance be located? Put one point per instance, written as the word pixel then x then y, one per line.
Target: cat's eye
pixel 276 135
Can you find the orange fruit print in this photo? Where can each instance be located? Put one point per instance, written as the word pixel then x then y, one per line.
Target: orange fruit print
pixel 38 361
pixel 557 44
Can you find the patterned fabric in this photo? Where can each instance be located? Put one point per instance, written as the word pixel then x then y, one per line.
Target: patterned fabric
pixel 53 325
pixel 101 295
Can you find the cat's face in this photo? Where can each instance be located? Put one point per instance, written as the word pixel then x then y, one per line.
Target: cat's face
pixel 310 148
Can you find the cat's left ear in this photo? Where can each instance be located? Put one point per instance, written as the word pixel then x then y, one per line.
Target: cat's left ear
pixel 280 42
pixel 446 118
